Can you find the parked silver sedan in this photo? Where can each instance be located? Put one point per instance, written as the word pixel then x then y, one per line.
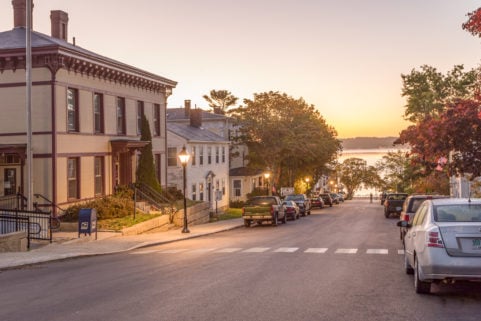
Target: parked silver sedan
pixel 443 242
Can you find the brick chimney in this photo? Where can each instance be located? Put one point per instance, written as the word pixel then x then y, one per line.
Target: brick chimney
pixel 196 118
pixel 20 13
pixel 187 108
pixel 59 22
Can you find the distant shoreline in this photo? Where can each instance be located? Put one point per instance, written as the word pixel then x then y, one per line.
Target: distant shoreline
pixel 370 143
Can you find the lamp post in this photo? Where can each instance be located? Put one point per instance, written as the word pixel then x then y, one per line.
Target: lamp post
pixel 184 159
pixel 266 177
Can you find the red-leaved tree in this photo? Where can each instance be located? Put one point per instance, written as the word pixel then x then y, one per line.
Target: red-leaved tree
pixel 450 142
pixel 473 25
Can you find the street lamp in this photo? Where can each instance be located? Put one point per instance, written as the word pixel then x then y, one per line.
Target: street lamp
pixel 266 177
pixel 184 159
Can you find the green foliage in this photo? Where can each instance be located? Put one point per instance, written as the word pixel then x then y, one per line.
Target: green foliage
pixel 428 91
pixel 236 204
pixel 286 135
pixel 258 191
pixel 352 174
pixel 119 205
pixel 146 169
pixel 220 101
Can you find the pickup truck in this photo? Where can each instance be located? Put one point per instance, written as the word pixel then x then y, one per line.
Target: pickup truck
pixel 394 203
pixel 261 209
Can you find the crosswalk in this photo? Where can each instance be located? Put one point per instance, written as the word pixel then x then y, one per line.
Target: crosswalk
pixel 311 250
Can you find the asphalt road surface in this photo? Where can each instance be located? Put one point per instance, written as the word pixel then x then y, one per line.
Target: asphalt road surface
pixel 340 263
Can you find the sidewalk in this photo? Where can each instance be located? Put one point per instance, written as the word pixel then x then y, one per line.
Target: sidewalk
pixel 68 245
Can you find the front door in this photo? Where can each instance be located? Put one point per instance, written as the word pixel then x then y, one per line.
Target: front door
pixel 10 181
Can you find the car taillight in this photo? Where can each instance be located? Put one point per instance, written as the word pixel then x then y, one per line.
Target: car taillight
pixel 434 239
pixel 243 211
pixel 406 217
pixel 272 210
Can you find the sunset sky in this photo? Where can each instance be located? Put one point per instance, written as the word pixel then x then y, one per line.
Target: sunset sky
pixel 345 57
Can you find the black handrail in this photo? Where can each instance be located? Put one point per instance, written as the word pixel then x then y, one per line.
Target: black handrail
pixel 49 204
pixel 163 201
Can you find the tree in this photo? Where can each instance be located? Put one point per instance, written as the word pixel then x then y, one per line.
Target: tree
pixel 286 135
pixel 428 91
pixel 451 142
pixel 220 101
pixel 473 25
pixel 146 169
pixel 352 173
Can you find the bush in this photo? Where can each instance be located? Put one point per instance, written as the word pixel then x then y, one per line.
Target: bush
pixel 119 205
pixel 236 204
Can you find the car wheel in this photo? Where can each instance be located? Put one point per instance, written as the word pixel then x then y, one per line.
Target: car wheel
pixel 407 267
pixel 247 223
pixel 420 286
pixel 284 219
pixel 274 220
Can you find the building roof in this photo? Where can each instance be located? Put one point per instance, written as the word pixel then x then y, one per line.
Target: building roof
pixel 13 42
pixel 195 134
pixel 245 171
pixel 178 114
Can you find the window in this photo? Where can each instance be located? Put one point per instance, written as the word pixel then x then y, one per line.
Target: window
pixel 98 113
pixel 157 167
pixel 98 176
pixel 156 120
pixel 192 155
pixel 209 155
pixel 194 192
pixel 140 112
pixel 201 191
pixel 73 178
pixel 223 186
pixel 201 155
pixel 121 116
pixel 172 156
pixel 217 154
pixel 237 187
pixel 223 154
pixel 72 110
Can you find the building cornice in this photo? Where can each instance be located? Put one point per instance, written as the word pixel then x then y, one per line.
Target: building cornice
pixel 58 57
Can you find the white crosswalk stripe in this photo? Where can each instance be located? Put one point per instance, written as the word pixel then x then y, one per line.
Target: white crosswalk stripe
pixel 377 251
pixel 316 250
pixel 256 250
pixel 287 249
pixel 346 251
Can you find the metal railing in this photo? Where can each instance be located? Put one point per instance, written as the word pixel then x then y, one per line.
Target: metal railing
pixel 163 202
pixel 16 201
pixel 37 224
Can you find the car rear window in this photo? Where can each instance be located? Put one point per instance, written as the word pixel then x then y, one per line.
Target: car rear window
pixel 458 213
pixel 295 198
pixel 397 197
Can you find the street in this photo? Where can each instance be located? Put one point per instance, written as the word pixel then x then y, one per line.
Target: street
pixel 340 263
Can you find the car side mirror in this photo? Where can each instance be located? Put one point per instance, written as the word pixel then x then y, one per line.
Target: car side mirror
pixel 403 224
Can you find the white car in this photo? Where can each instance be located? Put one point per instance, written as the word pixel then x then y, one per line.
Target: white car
pixel 443 242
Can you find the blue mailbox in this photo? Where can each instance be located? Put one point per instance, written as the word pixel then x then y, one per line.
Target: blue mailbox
pixel 87 221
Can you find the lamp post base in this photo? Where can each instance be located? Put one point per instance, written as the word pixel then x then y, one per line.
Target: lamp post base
pixel 185 230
